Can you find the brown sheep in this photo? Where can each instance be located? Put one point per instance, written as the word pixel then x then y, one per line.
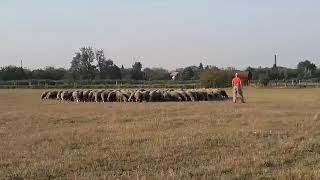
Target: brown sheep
pixel 155 96
pixel 66 95
pixel 112 96
pixel 44 94
pixel 201 96
pixel 85 95
pixel 52 95
pixel 211 94
pixel 145 96
pixel 223 93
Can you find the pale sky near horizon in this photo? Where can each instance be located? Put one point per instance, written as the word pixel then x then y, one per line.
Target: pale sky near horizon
pixel 161 33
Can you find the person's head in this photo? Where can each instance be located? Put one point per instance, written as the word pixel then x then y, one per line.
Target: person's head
pixel 236 75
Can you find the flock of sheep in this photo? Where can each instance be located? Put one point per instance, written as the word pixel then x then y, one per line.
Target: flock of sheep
pixel 140 95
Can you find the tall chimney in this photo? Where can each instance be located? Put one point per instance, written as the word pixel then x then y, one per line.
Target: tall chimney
pixel 275 60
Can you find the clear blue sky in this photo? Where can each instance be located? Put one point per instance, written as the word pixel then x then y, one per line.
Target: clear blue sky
pixel 161 33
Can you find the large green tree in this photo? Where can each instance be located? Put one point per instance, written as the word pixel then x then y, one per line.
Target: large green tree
pixel 156 74
pixel 106 68
pixel 14 73
pixel 136 72
pixel 216 78
pixel 82 64
pixel 306 69
pixel 49 73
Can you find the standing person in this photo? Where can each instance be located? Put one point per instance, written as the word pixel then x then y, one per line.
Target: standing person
pixel 237 88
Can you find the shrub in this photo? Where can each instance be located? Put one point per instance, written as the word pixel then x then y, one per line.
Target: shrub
pixel 215 78
pixel 264 79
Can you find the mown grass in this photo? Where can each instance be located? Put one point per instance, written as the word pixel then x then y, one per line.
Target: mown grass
pixel 274 135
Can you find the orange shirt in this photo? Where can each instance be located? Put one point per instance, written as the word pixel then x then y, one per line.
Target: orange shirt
pixel 236 82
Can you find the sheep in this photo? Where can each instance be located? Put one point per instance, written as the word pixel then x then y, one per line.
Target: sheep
pixel 140 95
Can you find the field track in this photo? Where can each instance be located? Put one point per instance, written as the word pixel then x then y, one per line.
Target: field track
pixel 276 134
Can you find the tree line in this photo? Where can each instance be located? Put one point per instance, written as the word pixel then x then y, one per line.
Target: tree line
pixel 91 64
pixel 305 70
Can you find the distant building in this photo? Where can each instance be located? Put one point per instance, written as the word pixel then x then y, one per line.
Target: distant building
pixel 174 75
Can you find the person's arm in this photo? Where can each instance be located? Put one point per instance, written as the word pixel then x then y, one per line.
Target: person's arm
pixel 240 82
pixel 232 83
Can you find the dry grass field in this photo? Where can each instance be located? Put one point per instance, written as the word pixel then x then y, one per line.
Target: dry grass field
pixel 275 135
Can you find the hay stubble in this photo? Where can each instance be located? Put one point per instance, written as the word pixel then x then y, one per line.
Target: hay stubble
pixel 273 135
